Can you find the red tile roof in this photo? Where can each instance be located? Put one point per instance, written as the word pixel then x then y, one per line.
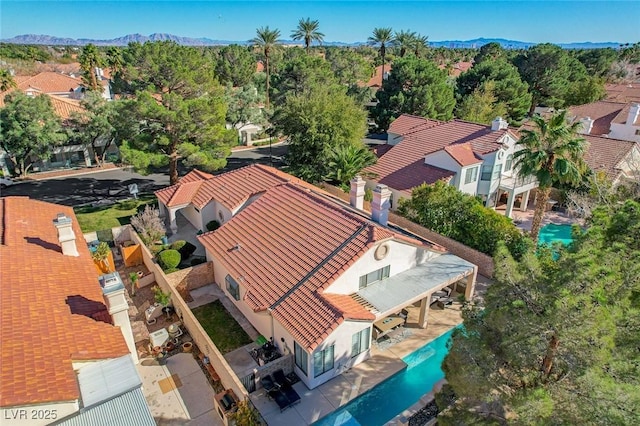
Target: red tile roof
pixel 605 154
pixel 376 80
pixel 302 241
pixel 463 154
pixel 627 92
pixel 403 168
pixel 602 113
pixel 50 82
pixel 623 115
pixel 65 107
pixel 231 189
pixel 51 307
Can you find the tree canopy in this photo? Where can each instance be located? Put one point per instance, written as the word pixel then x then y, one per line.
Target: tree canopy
pixel 235 65
pixel 308 31
pixel 91 58
pixel 30 129
pixel 301 75
pixel 509 89
pixel 555 342
pixel 481 106
pixel 416 86
pixel 178 109
pixel 94 124
pixel 266 40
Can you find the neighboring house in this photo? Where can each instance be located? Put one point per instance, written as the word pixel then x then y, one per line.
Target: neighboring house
pixel 618 159
pixel 476 159
pixel 375 82
pixel 456 69
pixel 65 93
pixel 613 119
pixel 625 92
pixel 309 271
pixel 68 353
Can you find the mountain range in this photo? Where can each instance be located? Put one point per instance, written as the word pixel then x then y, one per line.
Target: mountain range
pixel 187 41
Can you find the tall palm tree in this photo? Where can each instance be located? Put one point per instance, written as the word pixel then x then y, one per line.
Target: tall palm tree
pixel 382 37
pixel 405 40
pixel 551 152
pixel 420 43
pixel 267 40
pixel 6 80
pixel 90 58
pixel 307 30
pixel 115 60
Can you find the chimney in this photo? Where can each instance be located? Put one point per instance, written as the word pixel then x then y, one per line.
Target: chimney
pixel 113 291
pixel 66 235
pixel 380 204
pixel 356 195
pixel 587 125
pixel 499 124
pixel 634 111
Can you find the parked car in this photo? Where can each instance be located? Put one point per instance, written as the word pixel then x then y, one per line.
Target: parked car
pixel 5 181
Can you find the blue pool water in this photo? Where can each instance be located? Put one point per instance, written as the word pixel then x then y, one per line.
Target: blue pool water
pixel 552 232
pixel 396 394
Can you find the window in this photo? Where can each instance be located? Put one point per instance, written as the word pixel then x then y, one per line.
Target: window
pixel 486 173
pixel 471 175
pixel 301 357
pixel 374 276
pixel 509 163
pixel 323 361
pixel 496 171
pixel 232 287
pixel 637 132
pixel 360 342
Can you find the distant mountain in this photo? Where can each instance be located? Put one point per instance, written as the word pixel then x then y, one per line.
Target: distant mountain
pixel 187 41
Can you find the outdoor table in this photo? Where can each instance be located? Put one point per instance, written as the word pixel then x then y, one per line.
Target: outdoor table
pixel 387 324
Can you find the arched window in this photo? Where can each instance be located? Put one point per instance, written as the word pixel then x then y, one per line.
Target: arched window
pixel 509 163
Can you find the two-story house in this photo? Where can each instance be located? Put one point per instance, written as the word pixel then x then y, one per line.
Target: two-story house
pixel 474 158
pixel 617 120
pixel 311 272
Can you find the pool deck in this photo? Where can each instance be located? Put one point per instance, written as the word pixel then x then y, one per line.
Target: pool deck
pixel 385 361
pixel 524 219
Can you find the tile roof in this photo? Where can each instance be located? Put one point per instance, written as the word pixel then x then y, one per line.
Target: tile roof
pixel 605 154
pixel 64 107
pixel 231 189
pixel 463 154
pixel 52 308
pixel 50 82
pixel 602 113
pixel 403 168
pixel 376 80
pixel 623 115
pixel 628 92
pixel 276 232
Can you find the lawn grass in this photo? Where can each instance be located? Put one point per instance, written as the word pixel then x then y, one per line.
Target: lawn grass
pixel 223 330
pixel 107 217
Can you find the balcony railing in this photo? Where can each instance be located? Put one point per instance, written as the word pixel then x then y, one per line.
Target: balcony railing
pixel 516 182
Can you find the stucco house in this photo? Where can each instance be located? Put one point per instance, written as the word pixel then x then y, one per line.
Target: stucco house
pixel 311 272
pixel 68 355
pixel 474 158
pixel 617 120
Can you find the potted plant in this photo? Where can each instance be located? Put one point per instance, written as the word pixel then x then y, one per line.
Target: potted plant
pixel 133 276
pixel 163 298
pixel 101 255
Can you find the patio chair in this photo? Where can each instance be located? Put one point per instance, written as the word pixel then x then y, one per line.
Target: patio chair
pixel 281 380
pixel 268 383
pixel 291 395
pixel 280 398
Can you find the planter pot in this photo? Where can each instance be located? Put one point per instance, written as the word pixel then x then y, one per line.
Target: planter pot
pixel 187 347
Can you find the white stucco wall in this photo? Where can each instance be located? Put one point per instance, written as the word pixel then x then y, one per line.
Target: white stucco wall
pixel 624 132
pixel 443 160
pixel 193 216
pixel 400 258
pixel 471 187
pixel 393 138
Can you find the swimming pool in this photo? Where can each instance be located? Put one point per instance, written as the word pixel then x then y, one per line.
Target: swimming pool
pixel 552 232
pixel 397 393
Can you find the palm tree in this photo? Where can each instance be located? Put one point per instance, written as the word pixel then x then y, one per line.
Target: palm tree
pixel 90 58
pixel 307 30
pixel 405 40
pixel 266 40
pixel 551 152
pixel 6 80
pixel 346 161
pixel 420 43
pixel 115 60
pixel 382 37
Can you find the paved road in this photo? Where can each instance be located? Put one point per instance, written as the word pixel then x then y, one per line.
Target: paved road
pixel 112 184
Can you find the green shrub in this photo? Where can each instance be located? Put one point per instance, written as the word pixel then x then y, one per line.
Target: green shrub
pixel 169 259
pixel 177 245
pixel 186 250
pixel 213 225
pixel 127 205
pixel 105 235
pixel 156 249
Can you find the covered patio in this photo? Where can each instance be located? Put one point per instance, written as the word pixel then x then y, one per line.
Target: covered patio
pixel 390 296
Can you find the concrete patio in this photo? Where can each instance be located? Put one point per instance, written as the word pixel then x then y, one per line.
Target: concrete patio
pixel 178 393
pixel 188 232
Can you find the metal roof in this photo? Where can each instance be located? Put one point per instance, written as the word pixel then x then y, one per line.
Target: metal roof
pixel 407 287
pixel 128 409
pixel 100 381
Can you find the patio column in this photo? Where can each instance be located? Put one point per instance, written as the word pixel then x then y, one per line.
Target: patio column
pixel 471 284
pixel 173 224
pixel 525 201
pixel 87 152
pixel 424 312
pixel 510 199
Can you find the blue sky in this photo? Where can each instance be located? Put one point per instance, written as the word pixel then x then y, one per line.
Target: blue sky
pixel 348 21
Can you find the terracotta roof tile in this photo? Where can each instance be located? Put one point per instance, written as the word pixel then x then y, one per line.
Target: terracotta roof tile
pixel 50 307
pixel 65 107
pixel 350 307
pixel 623 115
pixel 605 154
pixel 50 82
pixel 403 168
pixel 463 154
pixel 627 92
pixel 376 80
pixel 276 232
pixel 602 113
